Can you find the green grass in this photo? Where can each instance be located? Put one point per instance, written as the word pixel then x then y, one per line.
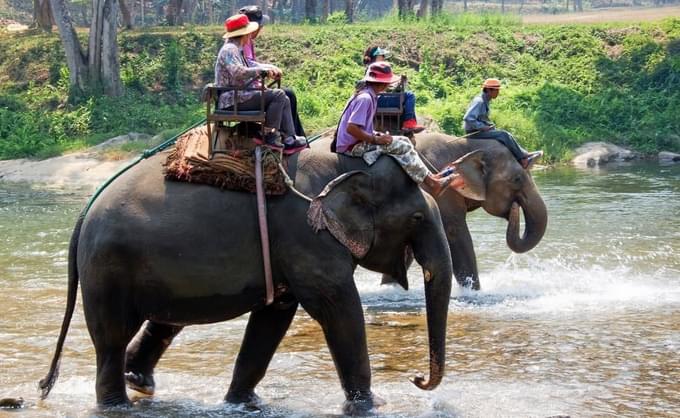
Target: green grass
pixel 563 85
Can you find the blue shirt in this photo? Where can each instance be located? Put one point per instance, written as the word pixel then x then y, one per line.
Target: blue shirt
pixel 477 115
pixel 360 110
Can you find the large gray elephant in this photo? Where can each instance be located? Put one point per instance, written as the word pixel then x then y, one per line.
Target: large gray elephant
pixel 177 254
pixel 499 185
pixel 506 188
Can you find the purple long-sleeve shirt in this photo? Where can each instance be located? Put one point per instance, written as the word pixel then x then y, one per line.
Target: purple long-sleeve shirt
pixel 360 110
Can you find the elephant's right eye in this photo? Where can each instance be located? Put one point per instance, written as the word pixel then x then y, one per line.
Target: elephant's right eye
pixel 418 217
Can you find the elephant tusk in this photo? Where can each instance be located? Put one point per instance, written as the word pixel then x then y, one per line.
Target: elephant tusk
pixel 427 275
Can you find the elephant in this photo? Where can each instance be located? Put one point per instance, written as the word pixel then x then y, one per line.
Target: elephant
pixel 500 185
pixel 176 254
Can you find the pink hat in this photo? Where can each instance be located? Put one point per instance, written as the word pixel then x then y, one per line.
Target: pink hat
pixel 381 72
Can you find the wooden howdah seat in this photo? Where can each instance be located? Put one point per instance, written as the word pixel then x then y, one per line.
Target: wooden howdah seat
pixel 217 118
pixel 389 118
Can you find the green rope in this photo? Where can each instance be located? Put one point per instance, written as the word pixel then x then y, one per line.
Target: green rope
pixel 146 154
pixel 317 136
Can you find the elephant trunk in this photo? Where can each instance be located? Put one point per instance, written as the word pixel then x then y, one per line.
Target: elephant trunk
pixel 435 258
pixel 535 219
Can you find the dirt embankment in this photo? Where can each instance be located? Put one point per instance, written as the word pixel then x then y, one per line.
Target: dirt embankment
pixel 634 14
pixel 85 169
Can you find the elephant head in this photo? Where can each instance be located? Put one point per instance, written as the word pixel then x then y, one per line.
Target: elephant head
pixel 508 188
pixel 377 214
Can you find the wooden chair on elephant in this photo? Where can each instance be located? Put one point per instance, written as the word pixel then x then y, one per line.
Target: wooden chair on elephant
pixel 217 118
pixel 389 118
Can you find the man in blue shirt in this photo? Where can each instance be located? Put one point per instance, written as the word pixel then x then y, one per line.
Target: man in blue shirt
pixel 477 124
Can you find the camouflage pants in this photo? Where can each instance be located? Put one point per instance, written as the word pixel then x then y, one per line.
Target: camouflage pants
pixel 400 149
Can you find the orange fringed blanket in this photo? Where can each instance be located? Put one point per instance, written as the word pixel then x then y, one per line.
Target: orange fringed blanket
pixel 232 170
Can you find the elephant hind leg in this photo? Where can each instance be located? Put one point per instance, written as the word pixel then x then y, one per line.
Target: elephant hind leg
pixel 266 328
pixel 110 334
pixel 144 352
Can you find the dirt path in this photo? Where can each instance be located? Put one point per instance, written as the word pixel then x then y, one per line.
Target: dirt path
pixel 608 15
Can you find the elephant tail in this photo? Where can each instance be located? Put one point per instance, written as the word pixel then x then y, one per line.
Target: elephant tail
pixel 48 382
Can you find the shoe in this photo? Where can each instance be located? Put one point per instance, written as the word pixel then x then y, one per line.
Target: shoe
pixel 272 139
pixel 412 126
pixel 443 183
pixel 293 144
pixel 530 159
pixel 295 141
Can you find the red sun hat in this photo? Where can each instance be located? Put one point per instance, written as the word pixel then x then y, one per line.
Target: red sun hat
pixel 381 72
pixel 239 25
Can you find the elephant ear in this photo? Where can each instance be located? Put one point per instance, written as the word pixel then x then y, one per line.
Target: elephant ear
pixel 472 170
pixel 344 208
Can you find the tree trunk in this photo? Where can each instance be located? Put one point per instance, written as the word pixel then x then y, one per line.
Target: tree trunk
pixel 125 13
pixel 76 60
pixel 422 11
pixel 325 9
pixel 349 10
pixel 436 7
pixel 103 63
pixel 310 10
pixel 502 6
pixel 42 15
pixel 465 5
pixel 173 13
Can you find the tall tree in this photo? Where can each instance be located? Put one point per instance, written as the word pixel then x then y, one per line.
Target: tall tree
pixel 310 10
pixel 98 68
pixel 422 10
pixel 325 9
pixel 42 15
pixel 349 10
pixel 173 14
pixel 126 14
pixel 436 7
pixel 405 8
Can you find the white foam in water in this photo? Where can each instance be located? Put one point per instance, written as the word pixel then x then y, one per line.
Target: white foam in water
pixel 540 287
pixel 527 285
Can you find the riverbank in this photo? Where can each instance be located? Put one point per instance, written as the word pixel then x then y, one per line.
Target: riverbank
pixel 563 85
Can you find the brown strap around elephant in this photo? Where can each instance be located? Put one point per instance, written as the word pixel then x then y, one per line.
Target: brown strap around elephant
pixel 264 232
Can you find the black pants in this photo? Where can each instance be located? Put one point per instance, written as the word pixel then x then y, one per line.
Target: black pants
pixel 277 106
pixel 293 110
pixel 504 138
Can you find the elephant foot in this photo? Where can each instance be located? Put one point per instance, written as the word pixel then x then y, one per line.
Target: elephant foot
pixel 141 383
pixel 247 400
pixel 361 403
pixel 114 400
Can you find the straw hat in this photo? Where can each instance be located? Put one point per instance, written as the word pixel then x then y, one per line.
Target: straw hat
pixel 239 25
pixel 491 83
pixel 381 72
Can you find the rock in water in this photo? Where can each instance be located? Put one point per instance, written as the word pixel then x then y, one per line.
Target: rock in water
pixel 12 403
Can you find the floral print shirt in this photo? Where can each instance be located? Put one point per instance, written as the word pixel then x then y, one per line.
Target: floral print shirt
pixel 231 69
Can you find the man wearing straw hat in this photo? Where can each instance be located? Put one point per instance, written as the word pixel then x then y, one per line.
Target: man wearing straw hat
pixel 477 124
pixel 231 69
pixel 355 136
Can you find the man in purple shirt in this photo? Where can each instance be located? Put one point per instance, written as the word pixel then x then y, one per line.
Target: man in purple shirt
pixel 355 136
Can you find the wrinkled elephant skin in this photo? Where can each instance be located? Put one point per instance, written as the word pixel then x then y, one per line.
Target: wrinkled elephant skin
pixel 175 254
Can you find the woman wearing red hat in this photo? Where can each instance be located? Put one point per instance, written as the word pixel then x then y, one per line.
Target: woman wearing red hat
pixel 355 136
pixel 231 69
pixel 255 14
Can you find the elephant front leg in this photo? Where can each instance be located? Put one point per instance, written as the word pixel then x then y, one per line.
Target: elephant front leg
pixel 266 328
pixel 342 319
pixel 144 352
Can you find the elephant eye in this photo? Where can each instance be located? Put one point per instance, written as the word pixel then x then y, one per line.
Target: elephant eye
pixel 418 217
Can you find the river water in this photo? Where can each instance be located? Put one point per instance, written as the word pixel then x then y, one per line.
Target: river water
pixel 586 324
